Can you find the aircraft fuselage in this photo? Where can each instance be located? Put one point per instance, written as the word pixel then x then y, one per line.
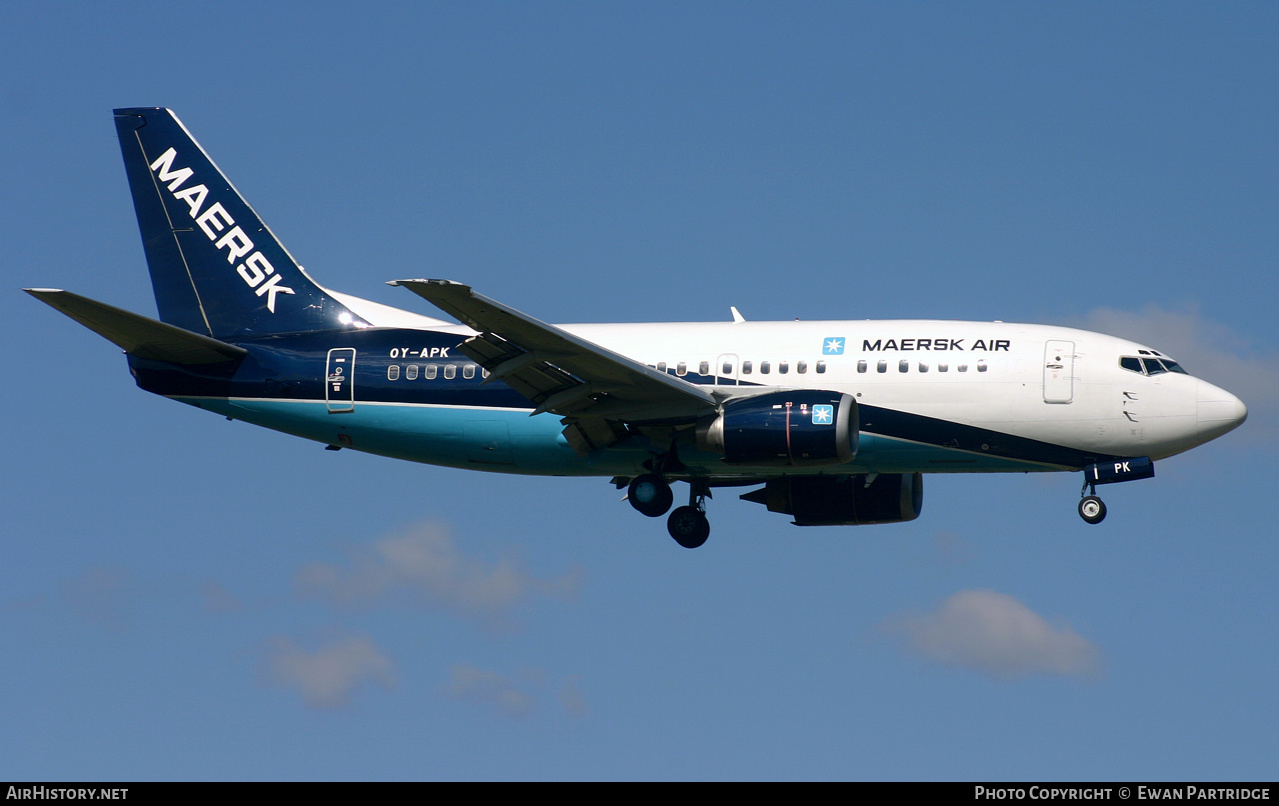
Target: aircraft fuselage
pixel 934 396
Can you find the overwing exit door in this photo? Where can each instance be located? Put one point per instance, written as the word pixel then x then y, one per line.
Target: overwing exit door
pixel 725 370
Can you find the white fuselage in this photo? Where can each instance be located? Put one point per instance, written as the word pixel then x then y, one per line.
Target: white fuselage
pixel 1052 384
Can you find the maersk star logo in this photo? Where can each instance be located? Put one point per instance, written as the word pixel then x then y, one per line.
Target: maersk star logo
pixel 823 415
pixel 833 347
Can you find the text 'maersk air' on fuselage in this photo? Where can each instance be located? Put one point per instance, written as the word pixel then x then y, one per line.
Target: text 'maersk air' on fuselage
pixel 832 423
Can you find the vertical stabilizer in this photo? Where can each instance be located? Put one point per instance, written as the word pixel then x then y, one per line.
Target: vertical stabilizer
pixel 215 267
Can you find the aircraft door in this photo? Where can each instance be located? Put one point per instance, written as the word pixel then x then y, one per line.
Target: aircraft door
pixel 339 380
pixel 726 370
pixel 1059 371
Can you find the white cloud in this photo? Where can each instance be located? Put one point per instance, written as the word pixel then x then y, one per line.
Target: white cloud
pixel 327 677
pixel 487 688
pixel 425 565
pixel 511 696
pixel 996 634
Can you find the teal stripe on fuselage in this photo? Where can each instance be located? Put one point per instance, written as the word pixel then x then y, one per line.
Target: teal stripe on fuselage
pixel 497 440
pixel 510 441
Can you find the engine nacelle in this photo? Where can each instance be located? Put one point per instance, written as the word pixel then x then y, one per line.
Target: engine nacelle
pixel 844 500
pixel 802 427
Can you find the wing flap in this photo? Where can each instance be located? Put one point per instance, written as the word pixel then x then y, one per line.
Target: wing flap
pixel 594 388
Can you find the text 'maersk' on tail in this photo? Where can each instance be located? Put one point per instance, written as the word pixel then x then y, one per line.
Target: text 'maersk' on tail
pixel 830 422
pixel 215 266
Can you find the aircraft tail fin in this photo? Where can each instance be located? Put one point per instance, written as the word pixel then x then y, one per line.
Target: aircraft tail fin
pixel 136 334
pixel 216 268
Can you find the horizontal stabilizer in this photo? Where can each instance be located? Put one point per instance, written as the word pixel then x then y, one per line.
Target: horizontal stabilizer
pixel 137 334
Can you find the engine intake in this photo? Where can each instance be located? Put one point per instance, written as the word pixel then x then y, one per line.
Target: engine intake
pixel 802 427
pixel 844 500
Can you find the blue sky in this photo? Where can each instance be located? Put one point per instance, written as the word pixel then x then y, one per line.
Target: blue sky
pixel 188 598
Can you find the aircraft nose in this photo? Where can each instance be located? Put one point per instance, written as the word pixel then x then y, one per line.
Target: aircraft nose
pixel 1217 410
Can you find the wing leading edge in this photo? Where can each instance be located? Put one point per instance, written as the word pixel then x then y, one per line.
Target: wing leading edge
pixel 595 390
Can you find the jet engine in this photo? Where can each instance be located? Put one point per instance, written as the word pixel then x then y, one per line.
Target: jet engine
pixel 802 427
pixel 844 500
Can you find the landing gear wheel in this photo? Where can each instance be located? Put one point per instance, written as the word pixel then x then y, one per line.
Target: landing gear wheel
pixel 1092 509
pixel 689 527
pixel 650 495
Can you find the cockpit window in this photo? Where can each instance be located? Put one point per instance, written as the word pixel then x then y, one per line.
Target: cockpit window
pixel 1151 365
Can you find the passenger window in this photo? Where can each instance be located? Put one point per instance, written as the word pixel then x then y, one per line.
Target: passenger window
pixel 468 371
pixel 783 367
pixel 981 366
pixel 861 366
pixel 661 366
pixel 728 367
pixel 450 371
pixel 410 372
pixel 963 367
pixel 746 367
pixel 903 366
pixel 393 372
pixel 943 367
pixel 431 370
pixel 704 368
pixel 681 369
pixel 801 367
pixel 882 366
pixel 764 367
pixel 923 367
pixel 821 366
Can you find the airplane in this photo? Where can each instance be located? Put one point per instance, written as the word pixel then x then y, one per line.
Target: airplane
pixel 832 422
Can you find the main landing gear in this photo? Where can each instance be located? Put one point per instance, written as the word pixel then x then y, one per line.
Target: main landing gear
pixel 651 495
pixel 688 525
pixel 1091 508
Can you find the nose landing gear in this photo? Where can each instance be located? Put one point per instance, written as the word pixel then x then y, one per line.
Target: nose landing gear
pixel 1117 469
pixel 1091 508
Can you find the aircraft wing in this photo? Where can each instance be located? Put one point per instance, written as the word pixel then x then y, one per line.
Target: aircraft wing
pixel 593 388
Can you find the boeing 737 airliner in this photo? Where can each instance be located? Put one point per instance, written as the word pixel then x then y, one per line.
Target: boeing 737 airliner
pixel 834 422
